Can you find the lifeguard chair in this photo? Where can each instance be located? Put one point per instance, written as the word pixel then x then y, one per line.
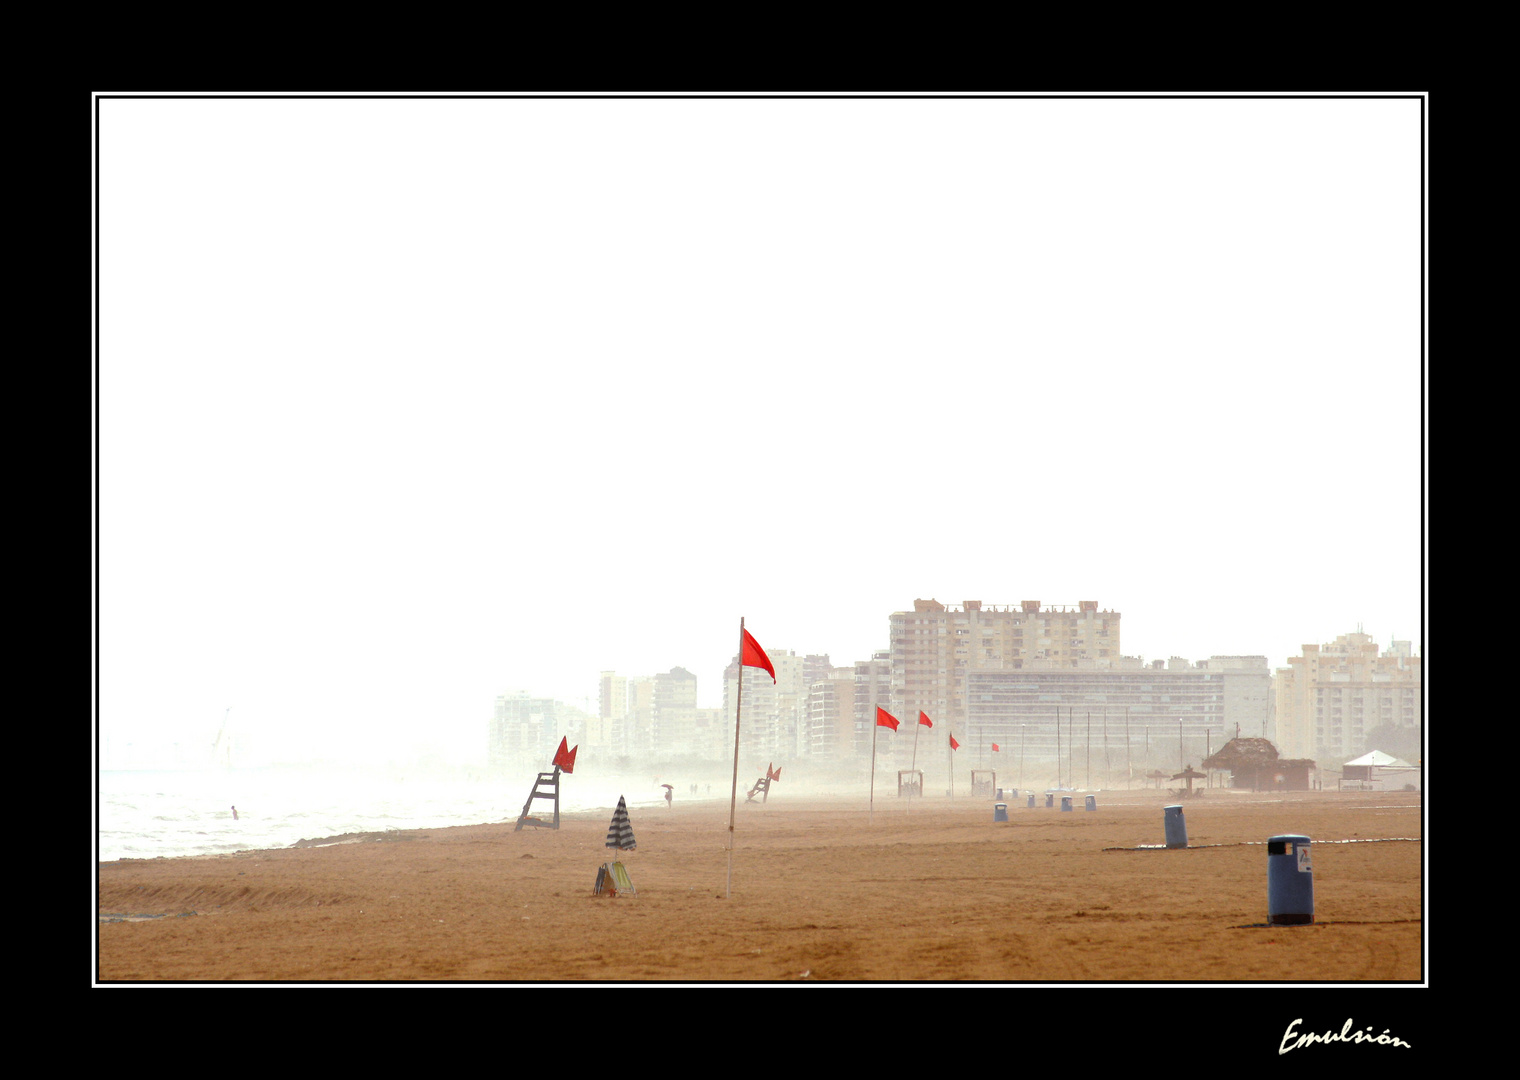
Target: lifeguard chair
pixel 983 783
pixel 762 786
pixel 545 787
pixel 910 783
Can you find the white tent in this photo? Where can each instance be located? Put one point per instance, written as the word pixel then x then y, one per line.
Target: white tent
pixel 1380 769
pixel 1381 760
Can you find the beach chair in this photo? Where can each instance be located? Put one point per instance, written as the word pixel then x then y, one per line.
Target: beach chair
pixel 612 878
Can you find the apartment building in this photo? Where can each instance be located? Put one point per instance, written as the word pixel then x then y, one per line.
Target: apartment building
pixel 1332 698
pixel 1104 724
pixel 649 716
pixel 524 732
pixel 935 647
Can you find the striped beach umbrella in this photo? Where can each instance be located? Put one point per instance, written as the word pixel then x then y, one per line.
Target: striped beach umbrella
pixel 620 832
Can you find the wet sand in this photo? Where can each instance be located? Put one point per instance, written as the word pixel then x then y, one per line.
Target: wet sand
pixel 823 890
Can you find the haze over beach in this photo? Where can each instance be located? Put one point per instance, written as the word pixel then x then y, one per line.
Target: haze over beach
pixel 404 404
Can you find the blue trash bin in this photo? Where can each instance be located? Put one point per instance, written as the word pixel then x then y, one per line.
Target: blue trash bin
pixel 1092 802
pixel 1031 800
pixel 1176 828
pixel 1290 881
pixel 1065 802
pixel 1050 799
pixel 1000 811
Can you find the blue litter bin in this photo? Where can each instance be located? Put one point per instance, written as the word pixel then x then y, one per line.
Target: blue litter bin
pixel 1290 881
pixel 1065 802
pixel 1050 799
pixel 1176 828
pixel 1031 800
pixel 1000 811
pixel 1092 802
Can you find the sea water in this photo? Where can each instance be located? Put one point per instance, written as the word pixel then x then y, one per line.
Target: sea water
pixel 148 814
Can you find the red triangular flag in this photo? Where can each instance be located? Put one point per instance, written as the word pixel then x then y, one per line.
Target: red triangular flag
pixel 885 719
pixel 564 757
pixel 994 748
pixel 953 744
pixel 923 718
pixel 752 655
pixel 769 775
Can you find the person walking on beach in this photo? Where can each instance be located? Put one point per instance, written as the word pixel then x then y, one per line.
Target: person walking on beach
pixel 669 791
pixel 234 813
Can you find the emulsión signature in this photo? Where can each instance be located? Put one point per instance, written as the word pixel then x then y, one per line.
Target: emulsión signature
pixel 1293 1041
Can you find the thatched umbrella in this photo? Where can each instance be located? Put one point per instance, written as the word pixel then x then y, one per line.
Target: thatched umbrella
pixel 1190 774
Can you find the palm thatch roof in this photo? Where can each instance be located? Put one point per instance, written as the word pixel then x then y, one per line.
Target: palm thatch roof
pixel 1244 755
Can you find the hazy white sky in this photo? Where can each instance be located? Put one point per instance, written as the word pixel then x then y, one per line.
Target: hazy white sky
pixel 405 404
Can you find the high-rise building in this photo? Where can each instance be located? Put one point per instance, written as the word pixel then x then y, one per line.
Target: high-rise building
pixel 935 647
pixel 831 716
pixel 649 716
pixel 774 725
pixel 675 712
pixel 873 688
pixel 1105 725
pixel 524 732
pixel 1334 698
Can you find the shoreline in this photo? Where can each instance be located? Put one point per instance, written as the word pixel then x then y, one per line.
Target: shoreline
pixel 834 801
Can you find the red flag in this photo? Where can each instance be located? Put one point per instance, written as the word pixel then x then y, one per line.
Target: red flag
pixel 752 655
pixel 564 757
pixel 994 748
pixel 923 718
pixel 885 719
pixel 953 744
pixel 769 775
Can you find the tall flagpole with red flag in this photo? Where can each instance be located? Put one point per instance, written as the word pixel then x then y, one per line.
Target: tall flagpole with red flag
pixel 750 655
pixel 923 721
pixel 884 719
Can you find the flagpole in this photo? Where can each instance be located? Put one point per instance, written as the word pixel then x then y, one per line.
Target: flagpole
pixel 733 795
pixel 871 806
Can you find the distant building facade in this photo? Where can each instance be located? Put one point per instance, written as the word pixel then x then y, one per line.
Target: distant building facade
pixel 934 648
pixel 774 725
pixel 873 687
pixel 1332 698
pixel 650 716
pixel 1116 718
pixel 524 732
pixel 831 716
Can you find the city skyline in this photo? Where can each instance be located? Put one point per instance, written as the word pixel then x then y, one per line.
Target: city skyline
pixel 405 404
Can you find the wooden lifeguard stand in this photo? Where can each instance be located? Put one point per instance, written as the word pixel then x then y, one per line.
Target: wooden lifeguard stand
pixel 545 787
pixel 762 786
pixel 910 783
pixel 983 783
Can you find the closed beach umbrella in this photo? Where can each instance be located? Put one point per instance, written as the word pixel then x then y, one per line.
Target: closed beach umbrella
pixel 620 832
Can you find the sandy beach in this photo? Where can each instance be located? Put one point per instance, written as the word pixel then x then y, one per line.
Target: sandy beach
pixel 824 889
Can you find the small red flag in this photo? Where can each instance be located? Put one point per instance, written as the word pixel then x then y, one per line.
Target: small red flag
pixel 923 718
pixel 752 655
pixel 994 748
pixel 953 744
pixel 564 757
pixel 885 719
pixel 769 775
